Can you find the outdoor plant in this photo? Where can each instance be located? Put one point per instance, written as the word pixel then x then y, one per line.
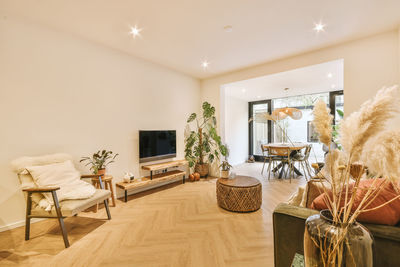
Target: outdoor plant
pixel 99 160
pixel 203 145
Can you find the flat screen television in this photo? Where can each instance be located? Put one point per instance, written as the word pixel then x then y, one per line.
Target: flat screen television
pixel 155 145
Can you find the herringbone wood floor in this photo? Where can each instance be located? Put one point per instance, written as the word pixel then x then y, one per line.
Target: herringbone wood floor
pixel 178 226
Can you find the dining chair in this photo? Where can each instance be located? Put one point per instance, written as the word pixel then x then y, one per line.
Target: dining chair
pixel 282 155
pixel 303 162
pixel 265 152
pixel 268 156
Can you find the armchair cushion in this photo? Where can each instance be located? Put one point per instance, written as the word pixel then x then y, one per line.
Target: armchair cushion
pixel 72 207
pixel 63 175
pixel 19 165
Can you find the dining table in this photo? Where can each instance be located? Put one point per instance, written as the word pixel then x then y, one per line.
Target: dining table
pixel 294 149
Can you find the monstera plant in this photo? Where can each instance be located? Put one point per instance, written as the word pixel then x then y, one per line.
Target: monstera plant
pixel 203 145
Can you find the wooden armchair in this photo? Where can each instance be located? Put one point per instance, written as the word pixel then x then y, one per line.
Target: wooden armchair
pixel 61 209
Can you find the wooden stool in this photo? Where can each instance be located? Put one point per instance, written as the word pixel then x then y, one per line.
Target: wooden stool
pixel 107 181
pixel 240 194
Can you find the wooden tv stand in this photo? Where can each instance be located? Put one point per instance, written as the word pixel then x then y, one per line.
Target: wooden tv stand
pixel 153 179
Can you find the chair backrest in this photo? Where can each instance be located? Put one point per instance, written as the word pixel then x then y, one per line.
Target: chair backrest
pixel 307 152
pixel 279 151
pixel 264 148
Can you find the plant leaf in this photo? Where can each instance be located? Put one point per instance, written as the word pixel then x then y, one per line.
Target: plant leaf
pixel 192 117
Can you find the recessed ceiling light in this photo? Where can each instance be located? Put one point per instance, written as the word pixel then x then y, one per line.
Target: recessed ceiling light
pixel 135 31
pixel 319 27
pixel 243 90
pixel 228 28
pixel 258 96
pixel 333 86
pixel 205 64
pixel 329 75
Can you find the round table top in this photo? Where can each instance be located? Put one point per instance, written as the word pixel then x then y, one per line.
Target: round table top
pixel 292 146
pixel 239 181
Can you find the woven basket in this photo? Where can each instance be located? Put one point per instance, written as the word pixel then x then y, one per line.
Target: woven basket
pixel 202 169
pixel 239 199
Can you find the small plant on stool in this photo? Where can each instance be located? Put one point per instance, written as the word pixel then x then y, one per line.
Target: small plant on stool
pixel 225 167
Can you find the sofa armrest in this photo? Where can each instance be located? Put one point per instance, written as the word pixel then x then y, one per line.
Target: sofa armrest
pixel 294 211
pixel 40 189
pixel 384 231
pixel 289 225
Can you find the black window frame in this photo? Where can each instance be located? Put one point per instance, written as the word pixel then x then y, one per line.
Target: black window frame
pixel 332 95
pixel 251 104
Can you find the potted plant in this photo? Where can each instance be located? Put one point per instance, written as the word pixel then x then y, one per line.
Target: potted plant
pixel 225 167
pixel 99 161
pixel 203 144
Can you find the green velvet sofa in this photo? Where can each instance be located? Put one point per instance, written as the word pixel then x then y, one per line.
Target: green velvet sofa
pixel 289 220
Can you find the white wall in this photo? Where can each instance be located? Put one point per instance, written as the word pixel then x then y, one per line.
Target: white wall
pixel 369 64
pixel 236 130
pixel 59 93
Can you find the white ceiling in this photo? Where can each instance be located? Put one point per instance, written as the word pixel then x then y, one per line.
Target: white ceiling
pixel 318 78
pixel 180 34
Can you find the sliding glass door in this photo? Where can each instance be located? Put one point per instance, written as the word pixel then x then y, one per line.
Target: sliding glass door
pixel 263 131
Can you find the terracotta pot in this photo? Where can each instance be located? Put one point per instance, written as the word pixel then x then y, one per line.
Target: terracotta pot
pixel 191 177
pixel 224 174
pixel 101 172
pixel 202 169
pixel 196 176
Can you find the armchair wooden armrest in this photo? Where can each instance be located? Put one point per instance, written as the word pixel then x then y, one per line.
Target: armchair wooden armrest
pixel 41 189
pixel 91 175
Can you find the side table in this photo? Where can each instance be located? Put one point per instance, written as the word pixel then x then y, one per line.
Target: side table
pixel 107 180
pixel 240 194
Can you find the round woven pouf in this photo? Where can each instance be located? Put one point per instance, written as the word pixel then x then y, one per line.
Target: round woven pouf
pixel 240 194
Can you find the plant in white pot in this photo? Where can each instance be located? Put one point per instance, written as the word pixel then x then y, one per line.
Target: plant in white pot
pixel 99 161
pixel 203 145
pixel 225 168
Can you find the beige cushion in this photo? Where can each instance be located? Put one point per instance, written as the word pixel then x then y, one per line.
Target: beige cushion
pixel 63 175
pixel 297 197
pixel 19 165
pixel 313 189
pixel 72 207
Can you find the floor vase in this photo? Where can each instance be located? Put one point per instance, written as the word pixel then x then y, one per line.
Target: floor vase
pixel 334 244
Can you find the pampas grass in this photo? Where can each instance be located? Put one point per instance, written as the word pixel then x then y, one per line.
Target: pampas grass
pixel 364 137
pixel 382 155
pixel 360 126
pixel 323 122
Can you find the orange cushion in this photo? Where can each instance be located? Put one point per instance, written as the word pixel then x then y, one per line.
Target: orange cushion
pixel 388 214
